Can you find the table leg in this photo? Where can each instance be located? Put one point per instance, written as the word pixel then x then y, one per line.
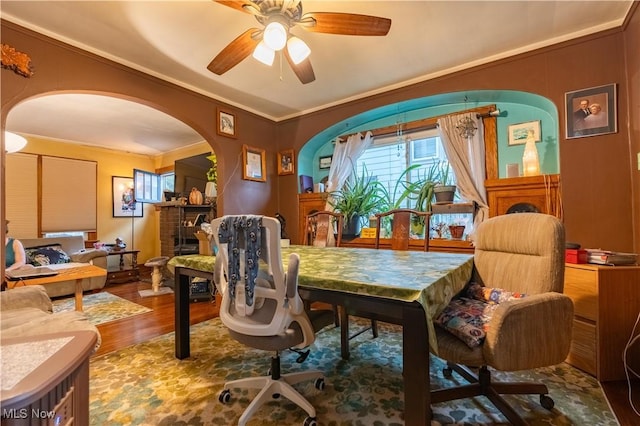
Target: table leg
pixel 415 371
pixel 182 314
pixel 79 294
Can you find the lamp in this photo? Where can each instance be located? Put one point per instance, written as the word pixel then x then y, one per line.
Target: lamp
pixel 298 50
pixel 275 35
pixel 530 160
pixel 13 142
pixel 264 53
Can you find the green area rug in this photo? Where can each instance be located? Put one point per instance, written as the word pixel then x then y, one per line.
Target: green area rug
pixel 146 385
pixel 101 307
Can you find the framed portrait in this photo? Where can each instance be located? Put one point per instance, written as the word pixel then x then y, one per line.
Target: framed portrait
pixel 227 124
pixel 325 162
pixel 285 162
pixel 591 112
pixel 124 197
pixel 519 133
pixel 254 164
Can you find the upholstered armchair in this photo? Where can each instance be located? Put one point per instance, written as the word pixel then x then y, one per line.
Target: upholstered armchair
pixel 519 272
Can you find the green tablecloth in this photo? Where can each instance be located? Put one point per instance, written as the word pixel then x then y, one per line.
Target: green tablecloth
pixel 431 278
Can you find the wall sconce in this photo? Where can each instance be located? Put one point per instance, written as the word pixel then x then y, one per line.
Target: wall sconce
pixel 530 160
pixel 13 142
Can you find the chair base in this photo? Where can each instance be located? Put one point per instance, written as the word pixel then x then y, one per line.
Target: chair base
pixel 483 386
pixel 274 386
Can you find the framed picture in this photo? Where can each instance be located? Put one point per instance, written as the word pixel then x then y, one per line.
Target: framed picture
pixel 124 197
pixel 591 112
pixel 227 124
pixel 519 133
pixel 254 164
pixel 325 162
pixel 285 162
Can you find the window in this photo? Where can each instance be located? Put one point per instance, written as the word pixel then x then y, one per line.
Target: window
pixel 390 156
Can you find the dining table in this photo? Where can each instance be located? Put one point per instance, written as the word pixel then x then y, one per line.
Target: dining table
pixel 407 288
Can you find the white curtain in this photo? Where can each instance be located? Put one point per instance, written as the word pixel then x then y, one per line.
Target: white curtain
pixel 344 160
pixel 466 156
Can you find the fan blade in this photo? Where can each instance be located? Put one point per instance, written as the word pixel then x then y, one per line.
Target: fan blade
pixel 303 70
pixel 242 6
pixel 234 53
pixel 345 24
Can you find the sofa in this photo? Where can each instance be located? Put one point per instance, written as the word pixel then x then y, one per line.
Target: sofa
pixel 61 253
pixel 28 311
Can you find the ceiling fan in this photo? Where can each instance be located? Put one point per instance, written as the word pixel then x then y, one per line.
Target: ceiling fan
pixel 278 17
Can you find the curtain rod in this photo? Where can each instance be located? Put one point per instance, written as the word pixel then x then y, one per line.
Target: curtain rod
pixel 487 111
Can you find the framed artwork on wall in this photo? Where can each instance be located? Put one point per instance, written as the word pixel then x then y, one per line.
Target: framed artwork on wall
pixel 591 112
pixel 285 162
pixel 519 133
pixel 227 124
pixel 325 162
pixel 124 198
pixel 254 164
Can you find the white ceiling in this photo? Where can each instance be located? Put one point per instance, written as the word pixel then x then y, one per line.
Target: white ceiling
pixel 176 40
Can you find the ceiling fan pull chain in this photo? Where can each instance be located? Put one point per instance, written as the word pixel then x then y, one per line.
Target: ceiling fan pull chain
pixel 280 55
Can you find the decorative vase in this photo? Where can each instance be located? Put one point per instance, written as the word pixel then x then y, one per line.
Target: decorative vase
pixel 195 197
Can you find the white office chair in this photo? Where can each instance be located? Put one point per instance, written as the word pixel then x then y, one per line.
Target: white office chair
pixel 261 306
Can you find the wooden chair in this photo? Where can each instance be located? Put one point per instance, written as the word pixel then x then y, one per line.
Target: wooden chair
pixel 318 226
pixel 401 227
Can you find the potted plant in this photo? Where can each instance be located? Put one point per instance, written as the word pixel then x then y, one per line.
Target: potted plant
pixel 444 190
pixel 356 200
pixel 423 197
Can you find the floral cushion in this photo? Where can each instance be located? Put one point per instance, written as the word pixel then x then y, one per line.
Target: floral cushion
pixel 46 255
pixel 467 316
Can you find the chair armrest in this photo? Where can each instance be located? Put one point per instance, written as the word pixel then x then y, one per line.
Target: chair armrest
pixel 87 256
pixel 531 332
pixel 33 296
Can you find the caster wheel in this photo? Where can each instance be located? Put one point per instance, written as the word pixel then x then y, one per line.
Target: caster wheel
pixel 547 402
pixel 225 396
pixel 447 372
pixel 275 396
pixel 310 421
pixel 319 383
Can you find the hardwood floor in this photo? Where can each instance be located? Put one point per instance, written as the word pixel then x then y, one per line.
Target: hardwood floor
pixel 139 328
pixel 128 331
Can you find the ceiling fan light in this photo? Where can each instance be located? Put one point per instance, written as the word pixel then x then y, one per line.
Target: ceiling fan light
pixel 264 54
pixel 275 35
pixel 13 142
pixel 298 50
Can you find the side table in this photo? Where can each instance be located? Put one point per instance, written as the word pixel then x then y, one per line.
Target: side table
pixel 45 379
pixel 123 273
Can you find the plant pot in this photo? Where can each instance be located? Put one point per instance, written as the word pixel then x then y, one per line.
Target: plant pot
pixel 444 194
pixel 352 228
pixel 456 231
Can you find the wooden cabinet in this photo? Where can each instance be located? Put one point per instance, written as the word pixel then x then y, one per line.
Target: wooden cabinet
pixel 607 302
pixel 309 203
pixel 531 193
